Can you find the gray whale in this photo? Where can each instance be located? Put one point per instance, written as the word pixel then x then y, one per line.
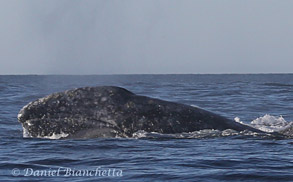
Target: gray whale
pixel 109 111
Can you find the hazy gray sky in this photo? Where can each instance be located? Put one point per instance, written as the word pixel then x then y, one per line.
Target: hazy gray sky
pixel 145 36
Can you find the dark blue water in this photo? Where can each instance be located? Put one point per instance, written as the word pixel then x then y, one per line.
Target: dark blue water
pixel 231 158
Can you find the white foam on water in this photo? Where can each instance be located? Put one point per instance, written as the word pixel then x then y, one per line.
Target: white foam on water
pixel 268 123
pixel 25 133
pixel 56 136
pixel 237 119
pixel 206 133
pixel 139 134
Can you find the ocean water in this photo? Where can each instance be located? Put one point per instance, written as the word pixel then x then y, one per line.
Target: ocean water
pixel 264 101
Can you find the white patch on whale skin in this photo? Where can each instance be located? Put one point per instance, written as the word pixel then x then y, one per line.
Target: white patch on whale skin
pixel 103 99
pixel 29 123
pixel 19 116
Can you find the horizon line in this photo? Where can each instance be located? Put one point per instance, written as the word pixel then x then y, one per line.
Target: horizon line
pixel 125 74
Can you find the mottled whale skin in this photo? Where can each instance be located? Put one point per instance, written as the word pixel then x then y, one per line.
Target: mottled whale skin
pixel 109 111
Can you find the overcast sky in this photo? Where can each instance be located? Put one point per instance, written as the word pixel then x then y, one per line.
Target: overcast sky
pixel 145 36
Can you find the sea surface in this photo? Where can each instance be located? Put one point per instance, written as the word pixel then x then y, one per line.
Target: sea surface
pixel 264 101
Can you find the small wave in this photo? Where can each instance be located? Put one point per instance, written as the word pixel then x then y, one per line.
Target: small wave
pixel 278 85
